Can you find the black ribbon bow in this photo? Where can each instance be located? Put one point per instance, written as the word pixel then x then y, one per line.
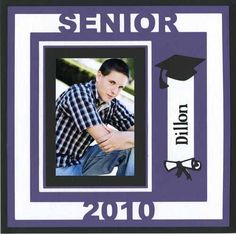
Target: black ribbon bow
pixel 183 166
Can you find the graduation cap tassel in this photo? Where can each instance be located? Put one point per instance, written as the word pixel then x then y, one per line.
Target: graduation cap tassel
pixel 163 84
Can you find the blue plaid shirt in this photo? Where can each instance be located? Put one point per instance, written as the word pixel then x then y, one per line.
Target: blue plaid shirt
pixel 77 109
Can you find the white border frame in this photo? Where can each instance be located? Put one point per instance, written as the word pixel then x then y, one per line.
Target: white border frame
pixel 42 44
pixel 211 23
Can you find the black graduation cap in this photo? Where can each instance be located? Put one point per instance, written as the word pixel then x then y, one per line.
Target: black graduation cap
pixel 178 67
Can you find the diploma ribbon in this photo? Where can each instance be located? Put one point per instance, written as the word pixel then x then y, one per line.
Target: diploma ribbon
pixel 183 166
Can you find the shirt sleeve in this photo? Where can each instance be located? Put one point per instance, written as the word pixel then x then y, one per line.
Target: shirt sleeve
pixel 82 109
pixel 121 118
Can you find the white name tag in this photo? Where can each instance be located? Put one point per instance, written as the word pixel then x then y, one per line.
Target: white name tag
pixel 180 119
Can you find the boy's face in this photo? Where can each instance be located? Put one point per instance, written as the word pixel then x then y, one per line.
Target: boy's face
pixel 110 86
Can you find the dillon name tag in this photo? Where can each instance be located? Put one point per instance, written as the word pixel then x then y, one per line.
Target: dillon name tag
pixel 180 116
pixel 181 127
pixel 180 120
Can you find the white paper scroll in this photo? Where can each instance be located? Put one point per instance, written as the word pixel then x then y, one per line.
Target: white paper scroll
pixel 180 119
pixel 180 126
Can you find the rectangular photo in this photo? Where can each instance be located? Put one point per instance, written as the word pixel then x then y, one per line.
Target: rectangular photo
pixel 89 104
pixel 94 111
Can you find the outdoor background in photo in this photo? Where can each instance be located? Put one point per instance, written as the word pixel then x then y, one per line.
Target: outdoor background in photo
pixel 70 71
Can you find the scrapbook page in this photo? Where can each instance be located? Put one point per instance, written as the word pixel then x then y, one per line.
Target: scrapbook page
pixel 117 117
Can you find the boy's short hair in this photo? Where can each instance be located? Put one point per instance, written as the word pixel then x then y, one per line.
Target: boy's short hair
pixel 114 65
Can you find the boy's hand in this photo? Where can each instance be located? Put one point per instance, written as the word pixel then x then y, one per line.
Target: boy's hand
pixel 116 140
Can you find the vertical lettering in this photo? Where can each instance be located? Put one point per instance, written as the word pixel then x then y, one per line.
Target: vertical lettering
pixel 183 108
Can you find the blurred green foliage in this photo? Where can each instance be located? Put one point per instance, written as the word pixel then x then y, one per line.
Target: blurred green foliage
pixel 71 71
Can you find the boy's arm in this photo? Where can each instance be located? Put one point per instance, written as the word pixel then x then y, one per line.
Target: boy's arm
pixel 117 140
pixel 98 131
pixel 111 140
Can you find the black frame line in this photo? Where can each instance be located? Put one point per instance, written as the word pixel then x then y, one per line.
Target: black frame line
pixel 4 4
pixel 138 54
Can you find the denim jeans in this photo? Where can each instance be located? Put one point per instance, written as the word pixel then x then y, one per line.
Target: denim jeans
pixel 96 162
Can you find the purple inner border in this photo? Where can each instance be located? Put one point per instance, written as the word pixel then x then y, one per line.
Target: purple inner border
pixel 10 113
pixel 164 191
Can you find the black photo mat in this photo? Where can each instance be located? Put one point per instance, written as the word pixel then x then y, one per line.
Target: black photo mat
pixel 138 54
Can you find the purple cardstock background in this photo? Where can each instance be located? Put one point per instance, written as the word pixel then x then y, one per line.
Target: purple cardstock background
pixel 166 187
